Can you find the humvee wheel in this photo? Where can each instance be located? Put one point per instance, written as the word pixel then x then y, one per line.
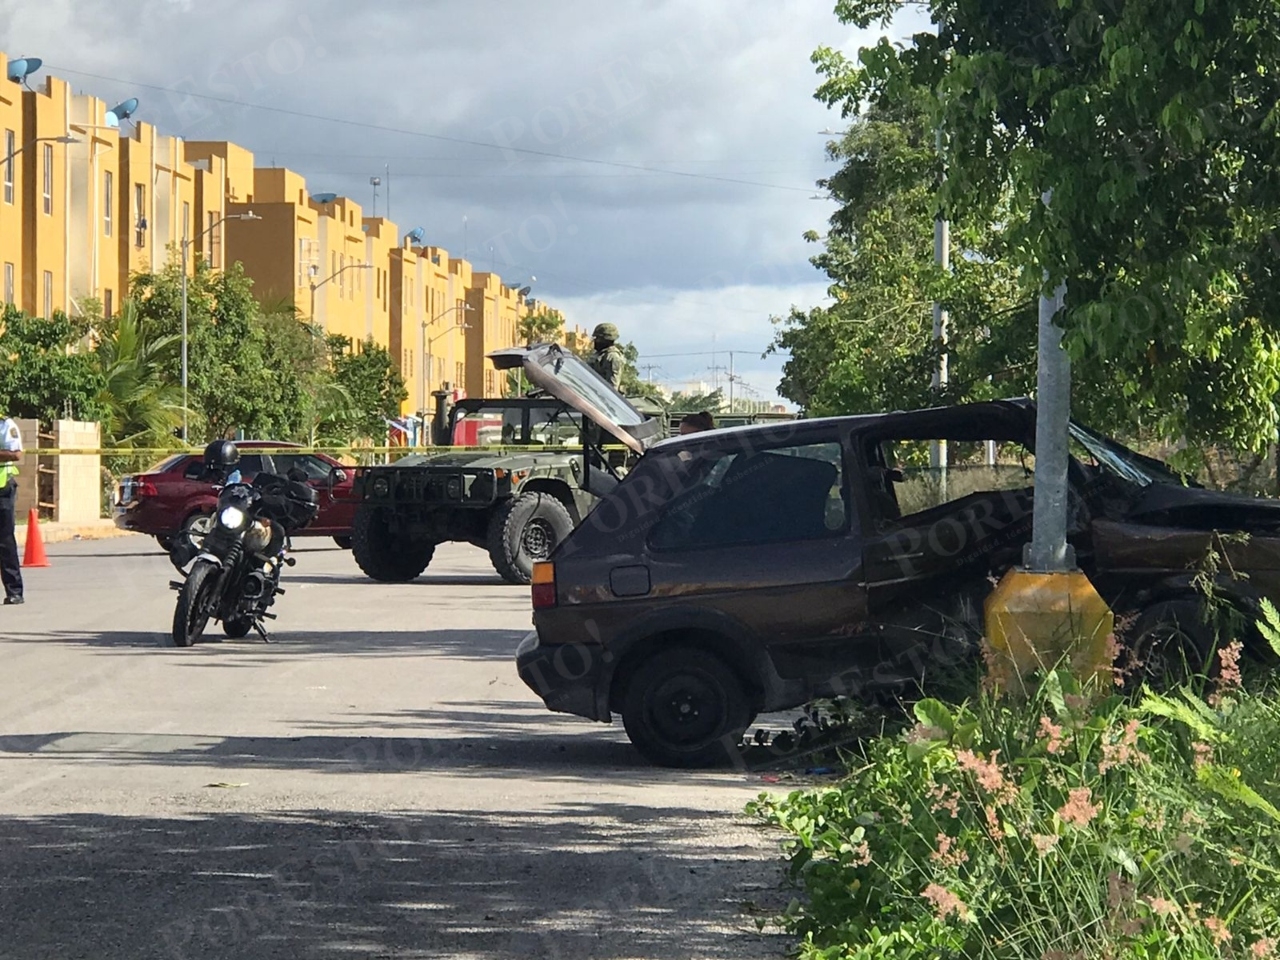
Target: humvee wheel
pixel 381 554
pixel 524 530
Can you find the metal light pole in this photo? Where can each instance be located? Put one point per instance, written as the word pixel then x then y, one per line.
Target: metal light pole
pixel 341 270
pixel 1048 551
pixel 941 377
pixel 428 341
pixel 186 246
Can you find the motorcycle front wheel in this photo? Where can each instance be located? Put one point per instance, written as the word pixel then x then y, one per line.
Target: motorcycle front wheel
pixel 195 604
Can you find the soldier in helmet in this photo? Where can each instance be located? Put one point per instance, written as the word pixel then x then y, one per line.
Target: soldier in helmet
pixel 608 360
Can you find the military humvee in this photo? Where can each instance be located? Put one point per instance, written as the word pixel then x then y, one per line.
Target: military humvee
pixel 517 502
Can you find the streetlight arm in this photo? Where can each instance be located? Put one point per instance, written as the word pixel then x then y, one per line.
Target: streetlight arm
pixel 349 266
pixel 32 143
pixel 215 225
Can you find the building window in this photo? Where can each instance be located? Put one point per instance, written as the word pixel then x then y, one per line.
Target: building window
pixel 458 372
pixel 10 147
pixel 48 294
pixel 8 283
pixel 108 304
pixel 108 201
pixel 186 220
pixel 140 214
pixel 48 179
pixel 342 275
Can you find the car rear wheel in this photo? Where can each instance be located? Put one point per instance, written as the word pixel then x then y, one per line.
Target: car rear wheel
pixel 1172 642
pixel 684 707
pixel 384 555
pixel 343 542
pixel 524 530
pixel 166 544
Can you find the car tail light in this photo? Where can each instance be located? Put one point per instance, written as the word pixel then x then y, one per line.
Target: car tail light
pixel 544 585
pixel 146 488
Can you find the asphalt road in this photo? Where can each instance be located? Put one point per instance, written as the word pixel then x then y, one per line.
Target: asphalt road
pixel 375 783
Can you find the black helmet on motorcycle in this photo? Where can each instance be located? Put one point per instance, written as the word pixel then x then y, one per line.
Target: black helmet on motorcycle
pixel 221 455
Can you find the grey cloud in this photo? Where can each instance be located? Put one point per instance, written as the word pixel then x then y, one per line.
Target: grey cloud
pixel 690 85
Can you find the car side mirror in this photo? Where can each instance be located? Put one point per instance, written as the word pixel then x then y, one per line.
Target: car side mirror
pixel 339 475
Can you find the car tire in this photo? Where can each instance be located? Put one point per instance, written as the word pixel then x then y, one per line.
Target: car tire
pixel 166 544
pixel 524 530
pixel 381 554
pixel 343 542
pixel 685 707
pixel 1171 643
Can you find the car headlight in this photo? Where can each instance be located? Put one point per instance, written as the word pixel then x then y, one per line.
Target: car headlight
pixel 381 486
pixel 233 518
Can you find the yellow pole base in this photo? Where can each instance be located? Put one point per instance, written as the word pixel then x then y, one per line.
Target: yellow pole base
pixel 1042 621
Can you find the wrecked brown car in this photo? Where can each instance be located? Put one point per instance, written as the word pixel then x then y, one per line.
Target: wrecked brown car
pixel 753 569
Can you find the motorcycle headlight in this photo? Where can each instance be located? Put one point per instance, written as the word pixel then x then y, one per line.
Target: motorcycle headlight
pixel 233 518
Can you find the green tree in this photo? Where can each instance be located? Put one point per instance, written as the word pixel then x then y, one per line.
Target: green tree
pixel 1152 123
pixel 697 402
pixel 543 325
pixel 141 399
pixel 43 373
pixel 247 371
pixel 372 382
pixel 873 348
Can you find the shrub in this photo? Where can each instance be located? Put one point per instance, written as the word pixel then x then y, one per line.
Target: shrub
pixel 1068 826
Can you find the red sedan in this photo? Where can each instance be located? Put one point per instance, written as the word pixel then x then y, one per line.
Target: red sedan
pixel 170 500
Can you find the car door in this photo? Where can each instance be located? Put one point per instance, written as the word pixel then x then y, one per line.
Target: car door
pixel 763 536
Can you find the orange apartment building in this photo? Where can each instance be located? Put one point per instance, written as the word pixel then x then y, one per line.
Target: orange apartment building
pixel 88 200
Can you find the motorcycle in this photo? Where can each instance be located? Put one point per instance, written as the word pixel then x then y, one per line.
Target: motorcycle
pixel 235 576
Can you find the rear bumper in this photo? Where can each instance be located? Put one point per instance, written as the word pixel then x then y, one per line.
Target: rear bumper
pixel 569 678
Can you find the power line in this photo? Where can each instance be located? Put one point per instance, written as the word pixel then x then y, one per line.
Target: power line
pixel 430 136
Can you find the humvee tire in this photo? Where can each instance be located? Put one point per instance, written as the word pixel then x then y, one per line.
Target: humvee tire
pixel 382 555
pixel 526 529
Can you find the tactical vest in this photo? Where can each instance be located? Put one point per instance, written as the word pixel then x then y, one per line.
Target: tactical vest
pixel 8 471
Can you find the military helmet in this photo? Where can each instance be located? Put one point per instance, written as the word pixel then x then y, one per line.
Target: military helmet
pixel 605 331
pixel 221 455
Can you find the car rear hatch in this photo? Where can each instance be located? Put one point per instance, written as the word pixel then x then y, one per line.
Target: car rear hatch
pixel 567 378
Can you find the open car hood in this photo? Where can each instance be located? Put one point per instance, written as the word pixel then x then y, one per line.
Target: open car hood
pixel 569 379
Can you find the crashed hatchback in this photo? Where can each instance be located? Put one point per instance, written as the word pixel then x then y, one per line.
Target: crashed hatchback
pixel 752 569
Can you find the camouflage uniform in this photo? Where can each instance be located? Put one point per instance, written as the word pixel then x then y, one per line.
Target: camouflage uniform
pixel 609 360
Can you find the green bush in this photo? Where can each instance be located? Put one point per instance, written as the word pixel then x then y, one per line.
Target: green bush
pixel 1070 826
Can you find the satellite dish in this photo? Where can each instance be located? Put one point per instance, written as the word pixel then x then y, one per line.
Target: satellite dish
pixel 416 235
pixel 324 197
pixel 524 291
pixel 19 70
pixel 121 111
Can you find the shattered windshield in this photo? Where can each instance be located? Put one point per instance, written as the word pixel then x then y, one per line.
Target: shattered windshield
pixel 1122 461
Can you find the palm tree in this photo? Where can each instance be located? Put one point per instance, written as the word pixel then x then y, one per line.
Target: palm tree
pixel 144 404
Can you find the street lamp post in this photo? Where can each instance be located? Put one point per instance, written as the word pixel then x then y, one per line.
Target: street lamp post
pixel 186 246
pixel 428 341
pixel 317 286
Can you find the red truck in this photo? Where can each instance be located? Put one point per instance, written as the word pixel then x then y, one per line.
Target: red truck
pixel 171 500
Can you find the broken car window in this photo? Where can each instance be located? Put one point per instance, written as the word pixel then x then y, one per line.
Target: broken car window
pixel 764 496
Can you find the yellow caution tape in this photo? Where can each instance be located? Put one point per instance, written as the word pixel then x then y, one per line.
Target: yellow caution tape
pixel 401 451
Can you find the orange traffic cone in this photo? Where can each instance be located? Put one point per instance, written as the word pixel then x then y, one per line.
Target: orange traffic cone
pixel 34 555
